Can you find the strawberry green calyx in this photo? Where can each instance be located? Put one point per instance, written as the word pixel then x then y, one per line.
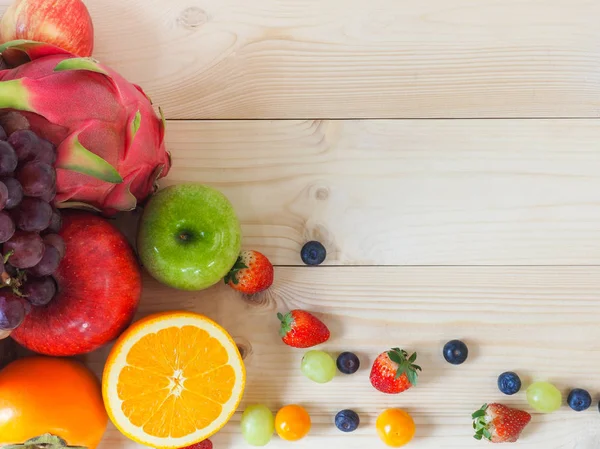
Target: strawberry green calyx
pixel 15 95
pixel 75 157
pixel 405 364
pixel 287 321
pixel 232 275
pixel 46 441
pixel 481 424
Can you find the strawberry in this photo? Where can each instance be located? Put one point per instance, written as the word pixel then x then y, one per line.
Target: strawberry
pixel 206 444
pixel 301 329
pixel 499 423
pixel 394 371
pixel 252 273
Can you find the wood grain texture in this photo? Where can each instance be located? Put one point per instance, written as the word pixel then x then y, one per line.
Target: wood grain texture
pixel 393 193
pixel 404 192
pixel 359 58
pixel 539 321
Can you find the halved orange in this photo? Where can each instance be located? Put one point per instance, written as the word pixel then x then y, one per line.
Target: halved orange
pixel 173 379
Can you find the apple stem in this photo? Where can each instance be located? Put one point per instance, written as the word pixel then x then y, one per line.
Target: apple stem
pixel 46 441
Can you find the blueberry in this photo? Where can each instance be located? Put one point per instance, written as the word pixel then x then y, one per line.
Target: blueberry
pixel 348 363
pixel 579 400
pixel 347 421
pixel 456 352
pixel 313 253
pixel 509 383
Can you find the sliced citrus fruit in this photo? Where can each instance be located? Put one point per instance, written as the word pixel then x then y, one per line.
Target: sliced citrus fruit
pixel 173 379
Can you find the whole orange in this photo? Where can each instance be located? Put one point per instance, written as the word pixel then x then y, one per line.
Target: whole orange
pixel 40 395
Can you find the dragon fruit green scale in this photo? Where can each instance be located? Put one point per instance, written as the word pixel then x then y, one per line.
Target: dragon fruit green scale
pixel 109 139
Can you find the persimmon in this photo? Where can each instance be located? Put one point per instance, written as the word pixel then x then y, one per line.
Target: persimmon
pixel 43 395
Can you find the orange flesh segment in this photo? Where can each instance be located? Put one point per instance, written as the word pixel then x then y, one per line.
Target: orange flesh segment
pixel 176 381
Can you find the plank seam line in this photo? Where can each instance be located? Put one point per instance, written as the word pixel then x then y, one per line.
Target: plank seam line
pixel 443 266
pixel 358 119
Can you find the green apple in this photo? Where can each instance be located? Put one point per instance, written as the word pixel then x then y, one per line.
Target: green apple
pixel 189 236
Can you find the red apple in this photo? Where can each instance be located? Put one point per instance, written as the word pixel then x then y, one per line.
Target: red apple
pixel 99 287
pixel 64 23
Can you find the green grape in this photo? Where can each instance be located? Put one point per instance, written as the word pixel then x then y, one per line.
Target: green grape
pixel 544 397
pixel 318 366
pixel 258 425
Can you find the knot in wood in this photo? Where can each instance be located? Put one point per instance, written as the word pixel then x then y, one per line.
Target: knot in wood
pixel 244 347
pixel 192 17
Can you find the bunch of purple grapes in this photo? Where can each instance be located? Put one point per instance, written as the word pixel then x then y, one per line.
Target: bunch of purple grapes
pixel 29 225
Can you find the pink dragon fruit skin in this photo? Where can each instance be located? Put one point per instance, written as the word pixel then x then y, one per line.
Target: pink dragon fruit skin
pixel 109 139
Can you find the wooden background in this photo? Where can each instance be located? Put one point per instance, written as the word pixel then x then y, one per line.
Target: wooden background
pixel 447 153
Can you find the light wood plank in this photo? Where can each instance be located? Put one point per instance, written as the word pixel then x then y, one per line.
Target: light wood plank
pixel 541 322
pixel 404 192
pixel 363 58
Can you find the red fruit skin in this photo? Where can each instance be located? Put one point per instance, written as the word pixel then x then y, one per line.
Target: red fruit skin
pixel 206 444
pixel 99 111
pixel 307 331
pixel 383 376
pixel 508 423
pixel 64 23
pixel 99 288
pixel 257 277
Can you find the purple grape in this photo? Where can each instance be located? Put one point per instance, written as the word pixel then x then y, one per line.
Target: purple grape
pixel 49 195
pixel 55 221
pixel 39 291
pixel 8 158
pixel 36 178
pixel 15 192
pixel 12 311
pixel 7 227
pixel 49 262
pixel 56 241
pixel 13 121
pixel 3 135
pixel 27 249
pixel 46 152
pixel 24 142
pixel 33 215
pixel 3 195
pixel 27 305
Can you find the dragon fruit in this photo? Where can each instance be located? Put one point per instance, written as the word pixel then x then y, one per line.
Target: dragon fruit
pixel 109 139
